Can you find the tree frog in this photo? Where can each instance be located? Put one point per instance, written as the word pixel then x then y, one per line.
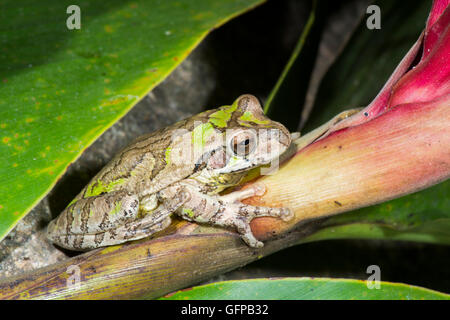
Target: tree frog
pixel 180 169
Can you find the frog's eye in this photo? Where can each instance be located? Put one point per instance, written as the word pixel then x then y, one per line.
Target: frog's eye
pixel 243 143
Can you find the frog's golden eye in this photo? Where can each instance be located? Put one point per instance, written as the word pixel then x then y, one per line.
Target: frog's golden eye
pixel 243 143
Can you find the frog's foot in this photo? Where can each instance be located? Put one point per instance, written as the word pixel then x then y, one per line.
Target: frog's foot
pixel 257 189
pixel 136 231
pixel 228 211
pixel 243 227
pixel 239 216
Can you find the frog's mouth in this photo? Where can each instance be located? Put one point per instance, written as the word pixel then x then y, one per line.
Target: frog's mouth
pixel 238 165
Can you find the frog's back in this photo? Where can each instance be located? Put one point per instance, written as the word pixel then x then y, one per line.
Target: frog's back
pixel 141 168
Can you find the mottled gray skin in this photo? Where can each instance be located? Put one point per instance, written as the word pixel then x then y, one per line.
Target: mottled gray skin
pixel 179 169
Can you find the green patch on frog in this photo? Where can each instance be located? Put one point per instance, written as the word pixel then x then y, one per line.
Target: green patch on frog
pixel 221 117
pixel 98 187
pixel 201 133
pixel 249 117
pixel 188 212
pixel 72 202
pixel 116 209
pixel 167 155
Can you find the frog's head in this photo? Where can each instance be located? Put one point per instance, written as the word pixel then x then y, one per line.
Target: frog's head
pixel 250 139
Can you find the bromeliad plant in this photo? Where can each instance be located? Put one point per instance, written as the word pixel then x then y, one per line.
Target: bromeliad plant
pixel 397 145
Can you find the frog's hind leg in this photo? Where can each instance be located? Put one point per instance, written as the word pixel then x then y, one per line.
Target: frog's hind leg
pixel 128 232
pixel 154 221
pixel 94 214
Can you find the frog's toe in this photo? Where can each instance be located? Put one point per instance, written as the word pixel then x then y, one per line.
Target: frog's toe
pixel 286 214
pixel 252 242
pixel 243 227
pixel 259 189
pixel 250 239
pixel 256 211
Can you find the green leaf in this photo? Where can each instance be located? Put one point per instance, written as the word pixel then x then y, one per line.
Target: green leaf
pixel 60 89
pixel 305 289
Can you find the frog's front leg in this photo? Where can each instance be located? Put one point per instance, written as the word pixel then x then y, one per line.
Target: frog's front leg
pixel 227 211
pixel 239 215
